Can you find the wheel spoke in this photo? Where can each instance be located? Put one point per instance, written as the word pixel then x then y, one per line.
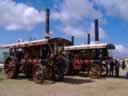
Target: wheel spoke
pixel 10 68
pixel 104 70
pixel 38 75
pixel 94 71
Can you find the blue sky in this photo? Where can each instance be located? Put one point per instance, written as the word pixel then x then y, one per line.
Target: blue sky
pixel 25 19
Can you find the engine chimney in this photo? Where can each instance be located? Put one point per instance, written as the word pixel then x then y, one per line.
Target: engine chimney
pixel 47 34
pixel 72 40
pixel 88 38
pixel 96 31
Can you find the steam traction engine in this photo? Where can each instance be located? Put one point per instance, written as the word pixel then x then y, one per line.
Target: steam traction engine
pixel 92 58
pixel 36 58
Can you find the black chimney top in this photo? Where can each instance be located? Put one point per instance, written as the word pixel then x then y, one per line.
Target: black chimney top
pixel 47 26
pixel 72 40
pixel 88 38
pixel 96 31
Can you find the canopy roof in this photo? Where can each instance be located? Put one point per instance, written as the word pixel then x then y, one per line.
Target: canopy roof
pixel 91 46
pixel 33 43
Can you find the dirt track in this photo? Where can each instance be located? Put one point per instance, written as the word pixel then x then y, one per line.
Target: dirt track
pixel 73 86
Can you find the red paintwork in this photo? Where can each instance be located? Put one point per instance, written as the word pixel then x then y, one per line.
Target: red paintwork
pixel 30 61
pixel 78 63
pixel 36 61
pixel 60 57
pixel 87 62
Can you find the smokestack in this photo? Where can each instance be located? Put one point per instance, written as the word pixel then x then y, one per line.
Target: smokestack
pixel 96 31
pixel 72 40
pixel 47 34
pixel 88 38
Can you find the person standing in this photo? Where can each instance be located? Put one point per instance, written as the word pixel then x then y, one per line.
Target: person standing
pixel 67 63
pixel 123 64
pixel 111 70
pixel 117 66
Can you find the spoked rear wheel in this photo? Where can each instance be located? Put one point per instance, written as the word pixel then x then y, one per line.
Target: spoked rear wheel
pixel 11 68
pixel 94 71
pixel 38 74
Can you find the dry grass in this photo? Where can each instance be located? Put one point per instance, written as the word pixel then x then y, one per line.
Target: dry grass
pixel 73 86
pixel 2 77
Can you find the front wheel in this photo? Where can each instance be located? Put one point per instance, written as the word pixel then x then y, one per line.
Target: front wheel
pixel 104 70
pixel 94 71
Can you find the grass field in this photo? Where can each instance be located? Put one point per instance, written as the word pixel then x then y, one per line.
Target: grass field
pixel 2 76
pixel 72 86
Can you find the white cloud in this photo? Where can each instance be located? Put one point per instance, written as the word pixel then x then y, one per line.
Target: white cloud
pixel 121 51
pixel 72 13
pixel 114 7
pixel 80 32
pixel 14 16
pixel 76 10
pixel 71 31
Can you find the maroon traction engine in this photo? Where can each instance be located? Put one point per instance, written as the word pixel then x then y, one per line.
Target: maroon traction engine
pixel 91 58
pixel 35 58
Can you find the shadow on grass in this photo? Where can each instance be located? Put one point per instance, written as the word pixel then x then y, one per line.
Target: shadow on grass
pixel 77 80
pixel 106 77
pixel 120 77
pixel 69 80
pixel 29 78
pixel 1 79
pixel 21 78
